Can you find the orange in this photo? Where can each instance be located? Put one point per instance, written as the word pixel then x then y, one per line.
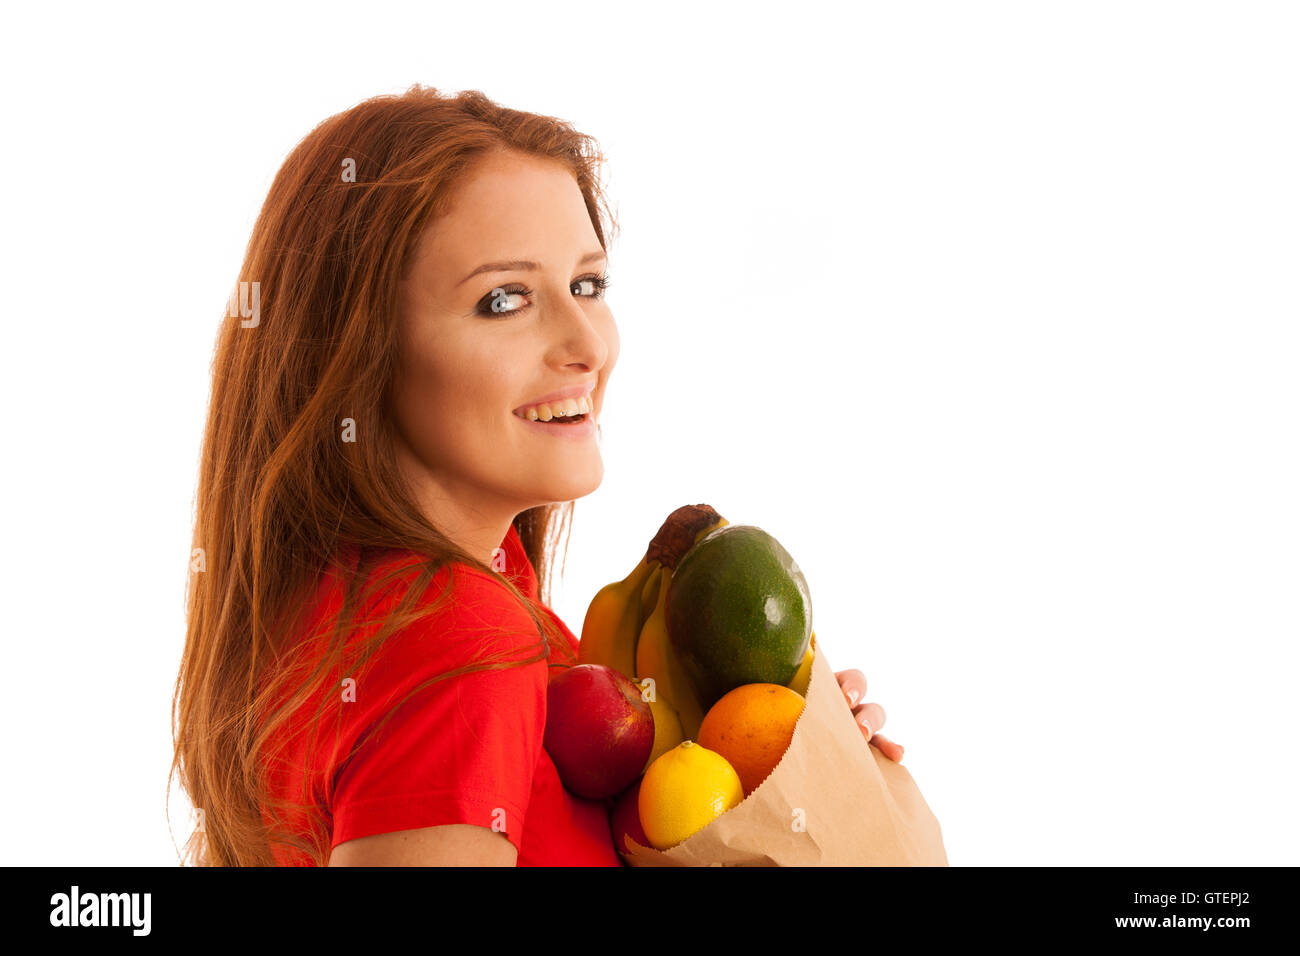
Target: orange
pixel 751 726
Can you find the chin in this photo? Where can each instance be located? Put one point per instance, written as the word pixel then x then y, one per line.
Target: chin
pixel 572 486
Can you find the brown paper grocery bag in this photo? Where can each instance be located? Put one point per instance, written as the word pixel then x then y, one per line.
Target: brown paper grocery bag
pixel 833 800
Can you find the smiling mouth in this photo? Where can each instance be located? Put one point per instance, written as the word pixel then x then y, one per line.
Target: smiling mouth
pixel 558 419
pixel 562 410
pixel 547 414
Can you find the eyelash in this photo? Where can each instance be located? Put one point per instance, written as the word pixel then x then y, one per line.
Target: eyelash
pixel 485 306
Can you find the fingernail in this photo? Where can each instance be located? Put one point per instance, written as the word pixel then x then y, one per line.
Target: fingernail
pixel 852 695
pixel 862 719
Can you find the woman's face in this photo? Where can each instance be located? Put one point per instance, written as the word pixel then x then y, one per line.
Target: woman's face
pixel 478 348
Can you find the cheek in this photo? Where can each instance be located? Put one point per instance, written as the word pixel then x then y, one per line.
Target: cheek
pixel 424 402
pixel 447 404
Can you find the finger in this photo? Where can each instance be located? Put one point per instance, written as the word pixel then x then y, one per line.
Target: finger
pixel 854 685
pixel 871 717
pixel 887 747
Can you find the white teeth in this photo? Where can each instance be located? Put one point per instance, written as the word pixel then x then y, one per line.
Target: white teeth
pixel 560 409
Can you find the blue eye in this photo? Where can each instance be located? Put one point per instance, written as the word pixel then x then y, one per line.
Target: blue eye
pixel 497 302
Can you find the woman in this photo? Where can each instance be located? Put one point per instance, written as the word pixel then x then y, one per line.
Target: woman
pixel 364 676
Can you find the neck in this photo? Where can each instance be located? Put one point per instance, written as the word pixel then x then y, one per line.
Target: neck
pixel 474 520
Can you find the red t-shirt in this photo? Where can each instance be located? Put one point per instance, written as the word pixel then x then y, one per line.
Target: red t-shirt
pixel 465 749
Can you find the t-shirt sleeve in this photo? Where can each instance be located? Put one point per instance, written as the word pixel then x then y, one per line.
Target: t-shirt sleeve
pixel 462 749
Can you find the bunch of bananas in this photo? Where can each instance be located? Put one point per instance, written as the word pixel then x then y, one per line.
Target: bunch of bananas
pixel 625 627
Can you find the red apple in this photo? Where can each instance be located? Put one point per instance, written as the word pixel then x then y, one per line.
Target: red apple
pixel 599 732
pixel 625 818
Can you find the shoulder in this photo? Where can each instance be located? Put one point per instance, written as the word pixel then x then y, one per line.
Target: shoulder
pixel 460 611
pixel 399 623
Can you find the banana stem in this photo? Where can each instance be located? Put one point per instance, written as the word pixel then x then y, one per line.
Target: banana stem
pixel 679 533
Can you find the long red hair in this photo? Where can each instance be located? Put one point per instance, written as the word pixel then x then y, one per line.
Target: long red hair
pixel 279 496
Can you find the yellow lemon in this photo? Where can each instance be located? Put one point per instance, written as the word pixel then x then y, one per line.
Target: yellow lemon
pixel 800 683
pixel 668 729
pixel 684 791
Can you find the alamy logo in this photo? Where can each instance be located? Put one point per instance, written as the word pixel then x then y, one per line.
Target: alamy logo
pixel 245 304
pixel 101 909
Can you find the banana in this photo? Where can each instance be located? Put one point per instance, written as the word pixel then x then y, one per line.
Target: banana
pixel 650 594
pixel 655 658
pixel 625 629
pixel 720 523
pixel 613 621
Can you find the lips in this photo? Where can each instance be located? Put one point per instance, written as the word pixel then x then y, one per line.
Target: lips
pixel 574 391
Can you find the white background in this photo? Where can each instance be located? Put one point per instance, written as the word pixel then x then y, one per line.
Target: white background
pixel 987 311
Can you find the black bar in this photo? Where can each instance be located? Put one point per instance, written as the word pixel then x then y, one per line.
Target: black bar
pixel 986 903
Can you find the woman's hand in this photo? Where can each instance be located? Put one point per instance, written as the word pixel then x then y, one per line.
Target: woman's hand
pixel 870 717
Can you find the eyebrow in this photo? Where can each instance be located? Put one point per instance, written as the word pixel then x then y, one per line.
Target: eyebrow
pixel 523 265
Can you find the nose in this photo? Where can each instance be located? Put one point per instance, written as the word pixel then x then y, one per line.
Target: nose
pixel 576 336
